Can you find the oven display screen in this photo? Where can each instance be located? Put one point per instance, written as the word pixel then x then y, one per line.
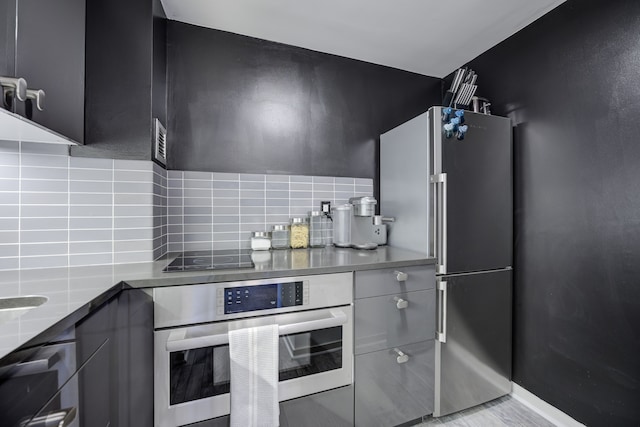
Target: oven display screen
pixel 262 297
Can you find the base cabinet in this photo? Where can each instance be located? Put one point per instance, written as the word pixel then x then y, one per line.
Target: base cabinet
pixel 380 324
pixel 394 331
pixel 97 372
pixel 330 408
pixel 389 393
pixel 115 390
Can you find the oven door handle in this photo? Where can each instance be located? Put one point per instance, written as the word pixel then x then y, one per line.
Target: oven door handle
pixel 178 342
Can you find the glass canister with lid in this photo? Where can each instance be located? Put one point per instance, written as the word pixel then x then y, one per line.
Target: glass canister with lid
pixel 261 241
pixel 280 236
pixel 299 232
pixel 316 229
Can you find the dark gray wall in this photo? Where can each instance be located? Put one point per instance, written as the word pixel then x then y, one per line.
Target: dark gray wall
pixel 571 84
pixel 239 104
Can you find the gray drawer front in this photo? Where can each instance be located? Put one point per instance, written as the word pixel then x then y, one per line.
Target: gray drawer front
pixel 330 408
pixel 373 283
pixel 379 324
pixel 389 393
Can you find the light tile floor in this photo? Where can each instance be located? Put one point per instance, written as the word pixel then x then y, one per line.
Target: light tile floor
pixel 502 412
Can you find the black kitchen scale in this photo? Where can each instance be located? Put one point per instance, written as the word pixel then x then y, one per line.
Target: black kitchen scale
pixel 211 260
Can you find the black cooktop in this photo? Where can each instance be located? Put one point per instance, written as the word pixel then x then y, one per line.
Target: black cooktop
pixel 211 260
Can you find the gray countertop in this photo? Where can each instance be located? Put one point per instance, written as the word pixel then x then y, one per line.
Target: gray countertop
pixel 70 289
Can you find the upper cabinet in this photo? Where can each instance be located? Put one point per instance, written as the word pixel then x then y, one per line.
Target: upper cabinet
pixel 7 37
pixel 101 65
pixel 125 78
pixel 43 42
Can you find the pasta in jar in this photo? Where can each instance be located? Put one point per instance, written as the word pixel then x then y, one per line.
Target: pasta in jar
pixel 299 233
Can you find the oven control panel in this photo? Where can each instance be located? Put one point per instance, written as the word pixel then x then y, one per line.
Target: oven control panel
pixel 243 299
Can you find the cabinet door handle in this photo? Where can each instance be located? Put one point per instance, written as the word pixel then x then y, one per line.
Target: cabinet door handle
pixel 401 357
pixel 37 95
pixel 18 85
pixel 401 303
pixel 401 276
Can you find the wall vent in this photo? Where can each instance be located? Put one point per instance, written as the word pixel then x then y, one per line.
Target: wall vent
pixel 160 142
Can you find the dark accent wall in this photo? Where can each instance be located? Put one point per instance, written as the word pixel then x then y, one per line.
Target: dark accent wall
pixel 571 84
pixel 239 104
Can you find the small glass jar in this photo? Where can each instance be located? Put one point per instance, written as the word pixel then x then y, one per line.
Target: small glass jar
pixel 280 237
pixel 299 231
pixel 261 241
pixel 316 229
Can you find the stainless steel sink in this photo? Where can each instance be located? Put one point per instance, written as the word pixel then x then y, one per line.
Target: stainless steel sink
pixel 14 307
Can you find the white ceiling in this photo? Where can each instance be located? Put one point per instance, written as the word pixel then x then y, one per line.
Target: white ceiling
pixel 424 36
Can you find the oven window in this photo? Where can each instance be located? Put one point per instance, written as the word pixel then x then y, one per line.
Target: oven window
pixel 204 372
pixel 310 353
pixel 198 373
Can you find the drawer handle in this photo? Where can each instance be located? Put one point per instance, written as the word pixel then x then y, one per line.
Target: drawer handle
pixel 401 304
pixel 401 276
pixel 400 356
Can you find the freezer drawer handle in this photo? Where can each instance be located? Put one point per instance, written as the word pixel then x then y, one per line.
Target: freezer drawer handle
pixel 442 311
pixel 401 303
pixel 401 357
pixel 401 276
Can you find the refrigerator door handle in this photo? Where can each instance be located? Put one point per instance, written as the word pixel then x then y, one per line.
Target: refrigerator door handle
pixel 441 335
pixel 440 181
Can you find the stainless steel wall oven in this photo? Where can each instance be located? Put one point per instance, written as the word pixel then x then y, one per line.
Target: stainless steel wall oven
pixel 192 366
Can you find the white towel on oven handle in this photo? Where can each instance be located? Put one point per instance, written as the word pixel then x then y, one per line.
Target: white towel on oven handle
pixel 253 353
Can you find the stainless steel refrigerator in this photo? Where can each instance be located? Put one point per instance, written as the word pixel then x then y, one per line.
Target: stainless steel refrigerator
pixel 453 199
